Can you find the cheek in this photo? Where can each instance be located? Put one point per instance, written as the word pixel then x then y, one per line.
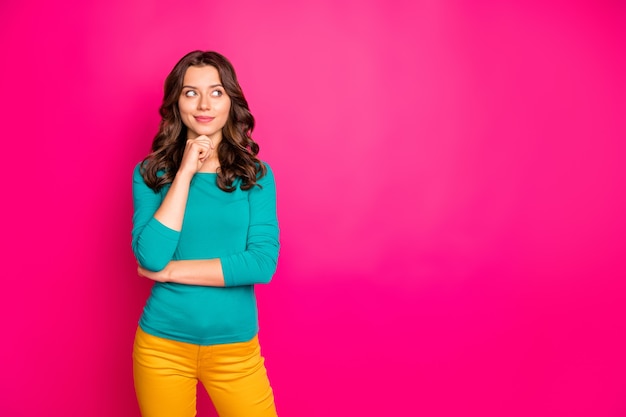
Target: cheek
pixel 226 109
pixel 183 108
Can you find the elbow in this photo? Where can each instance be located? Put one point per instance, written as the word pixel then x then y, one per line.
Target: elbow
pixel 248 270
pixel 266 279
pixel 154 265
pixel 268 270
pixel 154 245
pixel 151 263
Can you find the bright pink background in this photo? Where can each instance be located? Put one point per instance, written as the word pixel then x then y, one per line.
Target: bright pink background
pixel 451 198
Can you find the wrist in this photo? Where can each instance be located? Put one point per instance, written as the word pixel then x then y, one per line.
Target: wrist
pixel 183 175
pixel 168 272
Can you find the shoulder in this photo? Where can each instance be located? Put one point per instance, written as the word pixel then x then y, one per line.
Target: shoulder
pixel 139 182
pixel 264 178
pixel 137 171
pixel 268 168
pixel 269 174
pixel 140 168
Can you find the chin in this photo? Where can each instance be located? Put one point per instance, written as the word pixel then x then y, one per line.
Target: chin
pixel 200 132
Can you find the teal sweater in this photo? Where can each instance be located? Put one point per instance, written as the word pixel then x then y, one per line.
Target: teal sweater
pixel 240 228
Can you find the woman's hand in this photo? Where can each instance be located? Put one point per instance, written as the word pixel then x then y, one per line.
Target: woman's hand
pixel 196 152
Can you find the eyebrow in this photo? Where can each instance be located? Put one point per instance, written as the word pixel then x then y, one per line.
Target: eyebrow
pixel 211 86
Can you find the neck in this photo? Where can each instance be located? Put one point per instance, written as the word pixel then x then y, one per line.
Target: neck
pixel 212 164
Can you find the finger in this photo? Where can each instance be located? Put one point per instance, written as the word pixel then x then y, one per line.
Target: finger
pixel 204 139
pixel 199 141
pixel 200 145
pixel 198 150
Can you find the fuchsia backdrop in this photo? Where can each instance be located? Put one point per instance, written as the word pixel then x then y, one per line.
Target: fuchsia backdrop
pixel 451 197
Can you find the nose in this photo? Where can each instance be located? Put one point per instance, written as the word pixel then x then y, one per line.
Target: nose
pixel 204 102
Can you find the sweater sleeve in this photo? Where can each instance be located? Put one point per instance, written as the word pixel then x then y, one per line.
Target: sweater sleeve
pixel 257 264
pixel 153 243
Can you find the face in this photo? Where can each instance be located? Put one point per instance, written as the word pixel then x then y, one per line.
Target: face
pixel 203 103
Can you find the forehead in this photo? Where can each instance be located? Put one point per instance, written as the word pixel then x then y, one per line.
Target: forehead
pixel 201 76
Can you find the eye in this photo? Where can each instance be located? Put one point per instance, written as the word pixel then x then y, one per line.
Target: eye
pixel 190 93
pixel 217 93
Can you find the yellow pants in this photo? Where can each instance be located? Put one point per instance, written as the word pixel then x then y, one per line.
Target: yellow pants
pixel 167 372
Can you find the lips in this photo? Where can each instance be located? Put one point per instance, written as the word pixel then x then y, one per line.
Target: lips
pixel 203 119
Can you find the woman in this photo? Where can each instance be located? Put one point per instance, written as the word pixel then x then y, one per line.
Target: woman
pixel 205 230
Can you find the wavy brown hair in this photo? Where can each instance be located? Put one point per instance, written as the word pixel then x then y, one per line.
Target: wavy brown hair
pixel 237 152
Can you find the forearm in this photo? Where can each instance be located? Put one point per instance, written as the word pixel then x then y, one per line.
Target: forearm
pixel 204 272
pixel 172 209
